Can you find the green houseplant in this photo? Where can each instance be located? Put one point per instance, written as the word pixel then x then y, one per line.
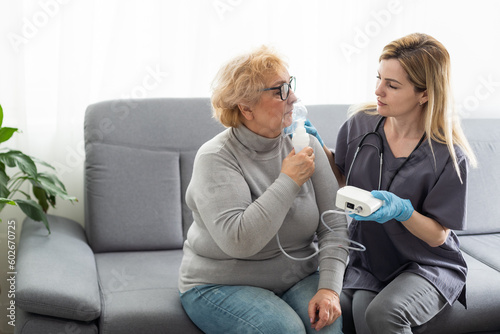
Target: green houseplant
pixel 45 186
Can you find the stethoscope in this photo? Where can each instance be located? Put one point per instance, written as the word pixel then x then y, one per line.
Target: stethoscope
pixel 380 150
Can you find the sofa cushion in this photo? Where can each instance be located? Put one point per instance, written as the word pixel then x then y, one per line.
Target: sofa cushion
pixel 57 273
pixel 35 323
pixel 484 181
pixel 187 162
pixel 483 295
pixel 485 247
pixel 139 293
pixel 157 124
pixel 133 198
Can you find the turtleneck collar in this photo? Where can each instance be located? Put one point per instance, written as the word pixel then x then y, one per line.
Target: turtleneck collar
pixel 255 142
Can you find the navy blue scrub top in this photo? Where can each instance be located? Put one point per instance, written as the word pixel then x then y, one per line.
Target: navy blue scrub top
pixel 432 185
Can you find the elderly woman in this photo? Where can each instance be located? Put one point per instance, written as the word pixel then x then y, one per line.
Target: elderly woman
pixel 248 187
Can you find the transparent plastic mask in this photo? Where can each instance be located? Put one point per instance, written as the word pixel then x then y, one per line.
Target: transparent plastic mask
pixel 299 113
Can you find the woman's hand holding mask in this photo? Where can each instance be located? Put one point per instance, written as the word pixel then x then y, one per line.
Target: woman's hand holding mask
pixel 299 167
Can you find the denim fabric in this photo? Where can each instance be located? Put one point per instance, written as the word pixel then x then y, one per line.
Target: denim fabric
pixel 246 309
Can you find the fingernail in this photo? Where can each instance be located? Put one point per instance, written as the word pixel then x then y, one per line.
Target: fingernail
pixel 311 320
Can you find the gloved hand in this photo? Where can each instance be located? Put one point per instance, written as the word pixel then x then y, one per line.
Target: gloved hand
pixel 312 130
pixel 394 207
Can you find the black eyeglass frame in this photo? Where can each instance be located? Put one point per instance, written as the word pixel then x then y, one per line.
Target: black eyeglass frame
pixel 280 87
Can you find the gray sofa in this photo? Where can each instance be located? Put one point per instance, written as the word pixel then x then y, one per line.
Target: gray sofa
pixel 119 273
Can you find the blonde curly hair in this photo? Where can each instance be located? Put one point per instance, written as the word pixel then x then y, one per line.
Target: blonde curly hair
pixel 241 81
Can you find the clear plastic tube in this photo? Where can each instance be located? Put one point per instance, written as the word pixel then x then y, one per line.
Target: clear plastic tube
pixel 360 247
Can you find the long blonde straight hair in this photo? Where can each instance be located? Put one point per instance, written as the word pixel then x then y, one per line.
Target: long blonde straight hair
pixel 427 63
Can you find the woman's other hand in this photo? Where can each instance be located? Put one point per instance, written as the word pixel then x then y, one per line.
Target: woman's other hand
pixel 299 167
pixel 324 308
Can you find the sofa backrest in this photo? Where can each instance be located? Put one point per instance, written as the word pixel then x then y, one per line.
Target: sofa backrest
pixel 139 159
pixel 327 119
pixel 483 206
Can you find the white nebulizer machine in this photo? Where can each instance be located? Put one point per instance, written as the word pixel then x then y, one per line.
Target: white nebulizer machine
pixel 358 201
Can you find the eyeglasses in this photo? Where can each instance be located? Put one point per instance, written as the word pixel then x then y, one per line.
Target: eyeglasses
pixel 284 88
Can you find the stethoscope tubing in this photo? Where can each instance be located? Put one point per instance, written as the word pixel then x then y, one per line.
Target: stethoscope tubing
pixel 380 151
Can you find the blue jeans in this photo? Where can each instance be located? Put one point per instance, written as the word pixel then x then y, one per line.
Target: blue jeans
pixel 246 309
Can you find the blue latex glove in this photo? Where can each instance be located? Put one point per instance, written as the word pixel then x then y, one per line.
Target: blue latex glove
pixel 394 207
pixel 312 130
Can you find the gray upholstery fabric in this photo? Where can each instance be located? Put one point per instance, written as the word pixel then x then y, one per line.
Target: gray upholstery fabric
pixel 34 323
pixel 483 296
pixel 327 119
pixel 140 294
pixel 58 278
pixel 187 159
pixel 145 185
pixel 145 134
pixel 484 182
pixel 485 247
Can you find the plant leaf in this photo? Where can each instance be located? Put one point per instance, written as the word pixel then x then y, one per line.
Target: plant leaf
pixel 33 210
pixel 6 159
pixel 6 133
pixel 53 186
pixel 41 195
pixel 23 161
pixel 25 194
pixel 52 200
pixel 7 201
pixel 41 162
pixel 52 178
pixel 1 115
pixel 4 191
pixel 4 178
pixel 4 201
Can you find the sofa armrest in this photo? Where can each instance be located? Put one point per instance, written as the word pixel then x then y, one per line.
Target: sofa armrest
pixel 56 273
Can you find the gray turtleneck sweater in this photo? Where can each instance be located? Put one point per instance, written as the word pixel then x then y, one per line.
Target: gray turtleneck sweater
pixel 240 200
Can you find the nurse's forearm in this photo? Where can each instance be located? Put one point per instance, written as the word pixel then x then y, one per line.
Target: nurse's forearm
pixel 427 229
pixel 336 171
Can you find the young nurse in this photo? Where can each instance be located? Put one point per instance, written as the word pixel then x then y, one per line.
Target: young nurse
pixel 413 155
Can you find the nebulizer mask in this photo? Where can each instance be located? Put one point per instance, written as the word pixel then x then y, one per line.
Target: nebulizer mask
pixel 297 130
